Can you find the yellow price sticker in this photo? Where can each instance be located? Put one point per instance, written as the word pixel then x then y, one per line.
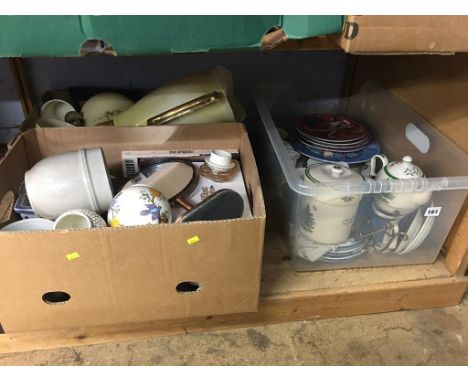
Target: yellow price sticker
pixel 193 240
pixel 72 256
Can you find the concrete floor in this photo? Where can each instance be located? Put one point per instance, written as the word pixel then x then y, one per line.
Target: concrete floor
pixel 423 337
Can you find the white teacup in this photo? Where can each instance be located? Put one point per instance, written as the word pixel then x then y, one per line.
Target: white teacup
pixel 67 181
pixel 56 109
pixel 220 160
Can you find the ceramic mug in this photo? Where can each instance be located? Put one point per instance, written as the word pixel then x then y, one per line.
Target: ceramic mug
pixel 57 110
pixel 67 181
pixel 78 219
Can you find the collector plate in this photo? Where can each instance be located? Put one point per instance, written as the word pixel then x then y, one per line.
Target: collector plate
pixel 330 128
pixel 373 148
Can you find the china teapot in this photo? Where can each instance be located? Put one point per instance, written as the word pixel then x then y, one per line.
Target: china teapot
pixel 398 204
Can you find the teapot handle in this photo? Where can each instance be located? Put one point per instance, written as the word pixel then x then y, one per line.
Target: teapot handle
pixel 373 163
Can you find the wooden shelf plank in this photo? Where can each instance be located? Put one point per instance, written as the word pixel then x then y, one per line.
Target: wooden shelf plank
pixel 275 309
pixel 279 277
pixel 286 296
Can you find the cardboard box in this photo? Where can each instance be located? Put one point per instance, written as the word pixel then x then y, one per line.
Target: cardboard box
pixel 404 34
pixel 123 275
pixel 140 35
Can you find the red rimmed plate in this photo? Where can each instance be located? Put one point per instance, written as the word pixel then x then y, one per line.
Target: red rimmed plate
pixel 331 128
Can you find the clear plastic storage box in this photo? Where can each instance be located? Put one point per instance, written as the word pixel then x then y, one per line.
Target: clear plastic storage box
pixel 360 236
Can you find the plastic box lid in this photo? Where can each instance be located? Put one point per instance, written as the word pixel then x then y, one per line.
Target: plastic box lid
pixel 372 105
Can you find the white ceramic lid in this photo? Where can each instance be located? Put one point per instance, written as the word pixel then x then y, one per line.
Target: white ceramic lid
pixel 405 169
pixel 330 172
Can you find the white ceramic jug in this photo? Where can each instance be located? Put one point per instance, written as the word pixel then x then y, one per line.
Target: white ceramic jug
pixel 328 217
pixel 398 204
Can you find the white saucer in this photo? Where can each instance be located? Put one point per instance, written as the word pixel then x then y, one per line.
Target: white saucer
pixel 421 235
pixel 411 232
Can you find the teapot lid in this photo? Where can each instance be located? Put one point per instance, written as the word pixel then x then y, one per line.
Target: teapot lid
pixel 330 172
pixel 405 169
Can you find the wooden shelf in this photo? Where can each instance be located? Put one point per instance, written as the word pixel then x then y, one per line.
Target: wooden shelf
pixel 286 296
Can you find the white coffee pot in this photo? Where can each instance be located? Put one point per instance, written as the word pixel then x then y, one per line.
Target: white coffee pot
pixel 327 217
pixel 398 204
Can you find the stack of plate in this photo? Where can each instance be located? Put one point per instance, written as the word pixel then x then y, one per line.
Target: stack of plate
pixel 346 251
pixel 311 251
pixel 333 138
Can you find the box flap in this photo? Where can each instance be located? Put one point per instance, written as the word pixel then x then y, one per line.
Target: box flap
pixel 298 27
pixel 404 34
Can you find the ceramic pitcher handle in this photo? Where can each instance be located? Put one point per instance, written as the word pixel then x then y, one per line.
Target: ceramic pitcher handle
pixel 384 160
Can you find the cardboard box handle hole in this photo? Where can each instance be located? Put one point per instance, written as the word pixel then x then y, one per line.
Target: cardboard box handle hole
pixel 55 298
pixel 94 46
pixel 188 287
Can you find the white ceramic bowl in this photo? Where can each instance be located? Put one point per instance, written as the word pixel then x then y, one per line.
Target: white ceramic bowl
pixel 72 180
pixel 56 109
pixel 35 224
pixel 79 219
pixel 102 107
pixel 139 205
pixel 52 123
